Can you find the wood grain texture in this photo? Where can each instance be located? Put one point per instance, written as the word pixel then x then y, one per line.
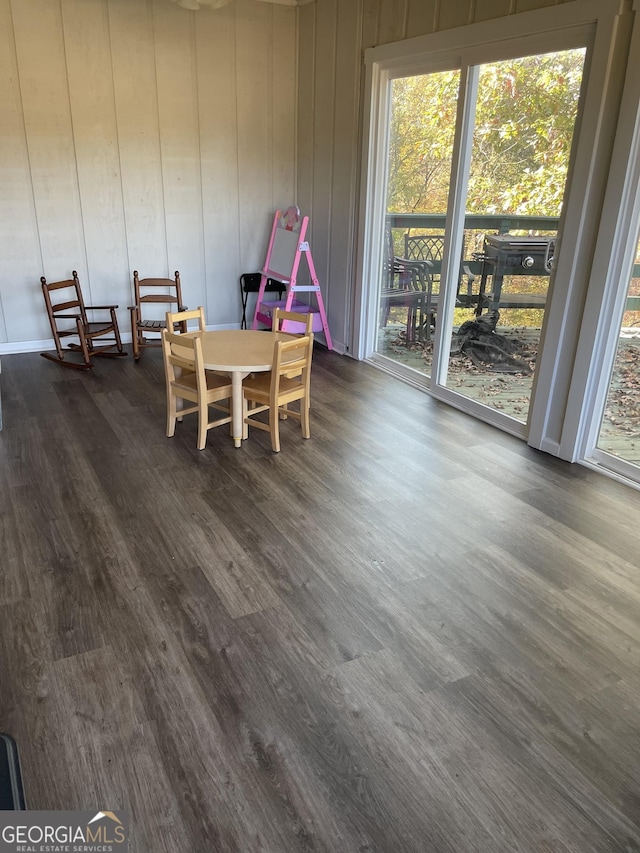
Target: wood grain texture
pixel 410 633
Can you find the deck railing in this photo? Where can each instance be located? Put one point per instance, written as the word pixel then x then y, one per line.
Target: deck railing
pixel 492 223
pixel 500 223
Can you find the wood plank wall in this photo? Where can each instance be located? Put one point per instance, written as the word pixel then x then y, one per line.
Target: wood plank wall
pixel 332 37
pixel 139 135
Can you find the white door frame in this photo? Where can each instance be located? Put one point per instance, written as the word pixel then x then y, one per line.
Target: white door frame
pixel 596 24
pixel 611 272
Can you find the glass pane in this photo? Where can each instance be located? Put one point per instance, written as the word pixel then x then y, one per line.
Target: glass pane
pixel 620 428
pixel 421 133
pixel 525 115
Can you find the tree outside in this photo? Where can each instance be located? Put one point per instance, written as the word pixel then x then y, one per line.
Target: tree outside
pixel 525 115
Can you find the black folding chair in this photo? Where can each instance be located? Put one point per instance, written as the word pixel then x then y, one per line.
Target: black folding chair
pixel 250 283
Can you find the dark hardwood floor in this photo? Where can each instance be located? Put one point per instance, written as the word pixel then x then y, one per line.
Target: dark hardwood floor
pixel 410 633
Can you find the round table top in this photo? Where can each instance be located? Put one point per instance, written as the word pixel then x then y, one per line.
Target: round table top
pixel 241 349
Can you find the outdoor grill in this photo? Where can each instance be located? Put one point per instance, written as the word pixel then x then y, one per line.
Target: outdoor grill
pixel 506 255
pixel 511 255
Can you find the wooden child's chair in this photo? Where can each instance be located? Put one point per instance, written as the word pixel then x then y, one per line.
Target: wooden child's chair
pixel 187 379
pixel 274 391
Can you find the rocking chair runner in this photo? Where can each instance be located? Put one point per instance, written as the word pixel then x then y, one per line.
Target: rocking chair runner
pixel 68 317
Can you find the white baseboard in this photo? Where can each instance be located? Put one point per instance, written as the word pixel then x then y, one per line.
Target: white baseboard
pixel 16 347
pixel 26 346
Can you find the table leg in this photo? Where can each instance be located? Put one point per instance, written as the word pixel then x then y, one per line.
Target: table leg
pixel 236 406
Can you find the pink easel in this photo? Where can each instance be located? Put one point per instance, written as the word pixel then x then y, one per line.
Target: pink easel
pixel 286 247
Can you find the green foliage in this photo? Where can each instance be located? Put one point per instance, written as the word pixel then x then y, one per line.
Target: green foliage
pixel 423 115
pixel 525 114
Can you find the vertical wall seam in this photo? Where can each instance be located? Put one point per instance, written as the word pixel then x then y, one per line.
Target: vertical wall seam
pixel 115 118
pixel 356 148
pixel 314 123
pixel 34 209
pixel 26 137
pixel 271 101
pixel 296 108
pixel 235 101
pixel 160 152
pixel 75 156
pixel 196 92
pixel 332 155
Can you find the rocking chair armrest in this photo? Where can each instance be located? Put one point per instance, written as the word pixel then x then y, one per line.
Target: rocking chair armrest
pixel 100 307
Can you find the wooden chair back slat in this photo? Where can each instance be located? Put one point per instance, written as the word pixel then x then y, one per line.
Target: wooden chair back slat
pixel 180 319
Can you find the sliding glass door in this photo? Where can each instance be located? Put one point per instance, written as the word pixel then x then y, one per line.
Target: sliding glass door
pixel 620 425
pixel 524 117
pixel 475 171
pixel 421 130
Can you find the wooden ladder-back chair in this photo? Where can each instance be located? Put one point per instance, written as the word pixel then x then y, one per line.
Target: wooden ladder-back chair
pixel 293 323
pixel 281 321
pixel 68 318
pixel 177 320
pixel 147 292
pixel 186 379
pixel 288 380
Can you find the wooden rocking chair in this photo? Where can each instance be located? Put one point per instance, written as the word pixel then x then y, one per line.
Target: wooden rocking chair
pixel 68 317
pixel 147 292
